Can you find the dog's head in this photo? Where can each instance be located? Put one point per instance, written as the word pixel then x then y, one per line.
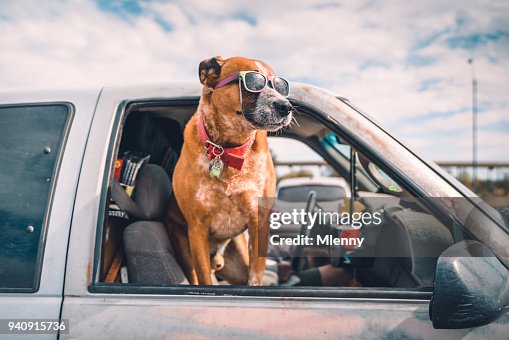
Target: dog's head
pixel 265 110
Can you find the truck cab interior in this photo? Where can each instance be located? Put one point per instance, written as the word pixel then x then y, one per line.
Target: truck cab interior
pixel 135 249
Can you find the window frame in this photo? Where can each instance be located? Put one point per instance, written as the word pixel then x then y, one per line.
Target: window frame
pixel 371 293
pixel 71 110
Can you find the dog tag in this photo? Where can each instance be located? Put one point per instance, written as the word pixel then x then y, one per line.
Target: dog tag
pixel 216 167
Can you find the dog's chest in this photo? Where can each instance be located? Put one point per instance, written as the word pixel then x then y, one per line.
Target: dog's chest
pixel 229 203
pixel 228 207
pixel 228 223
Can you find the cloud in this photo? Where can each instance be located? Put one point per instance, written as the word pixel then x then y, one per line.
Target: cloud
pixel 403 62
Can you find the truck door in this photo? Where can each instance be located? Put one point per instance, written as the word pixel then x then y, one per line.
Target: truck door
pixel 42 138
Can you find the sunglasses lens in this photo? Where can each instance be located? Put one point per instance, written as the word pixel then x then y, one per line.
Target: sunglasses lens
pixel 281 86
pixel 255 81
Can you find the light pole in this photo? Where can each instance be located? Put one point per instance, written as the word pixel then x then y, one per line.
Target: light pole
pixel 474 126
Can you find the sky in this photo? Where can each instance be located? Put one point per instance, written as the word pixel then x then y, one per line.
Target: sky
pixel 403 62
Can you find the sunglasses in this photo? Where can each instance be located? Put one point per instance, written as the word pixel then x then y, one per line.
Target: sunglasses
pixel 255 82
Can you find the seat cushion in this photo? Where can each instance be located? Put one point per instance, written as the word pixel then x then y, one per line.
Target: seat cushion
pixel 150 257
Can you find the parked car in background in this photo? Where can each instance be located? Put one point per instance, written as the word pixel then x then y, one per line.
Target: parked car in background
pixel 330 191
pixel 292 193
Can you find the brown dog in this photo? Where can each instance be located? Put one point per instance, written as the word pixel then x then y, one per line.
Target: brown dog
pixel 224 167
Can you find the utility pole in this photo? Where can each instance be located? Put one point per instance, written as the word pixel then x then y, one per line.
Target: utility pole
pixel 474 126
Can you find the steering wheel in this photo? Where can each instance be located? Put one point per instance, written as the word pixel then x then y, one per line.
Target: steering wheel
pixel 298 259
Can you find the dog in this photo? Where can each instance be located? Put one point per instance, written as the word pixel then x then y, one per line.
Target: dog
pixel 225 166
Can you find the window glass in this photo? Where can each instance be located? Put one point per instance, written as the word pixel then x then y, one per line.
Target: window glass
pixel 30 140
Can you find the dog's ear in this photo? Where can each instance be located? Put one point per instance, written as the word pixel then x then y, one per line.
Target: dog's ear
pixel 209 71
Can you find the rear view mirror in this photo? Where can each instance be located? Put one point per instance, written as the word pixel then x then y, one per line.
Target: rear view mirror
pixel 471 287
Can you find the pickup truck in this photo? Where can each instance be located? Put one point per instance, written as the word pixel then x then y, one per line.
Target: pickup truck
pixel 59 243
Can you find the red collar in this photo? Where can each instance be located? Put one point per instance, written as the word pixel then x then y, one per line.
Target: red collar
pixel 233 157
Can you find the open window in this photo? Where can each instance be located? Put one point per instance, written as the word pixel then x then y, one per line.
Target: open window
pixel 140 189
pixel 401 236
pixel 329 174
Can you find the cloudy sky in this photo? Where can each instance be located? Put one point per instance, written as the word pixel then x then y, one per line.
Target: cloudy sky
pixel 404 62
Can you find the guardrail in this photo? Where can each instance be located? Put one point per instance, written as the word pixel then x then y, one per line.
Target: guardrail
pixel 486 170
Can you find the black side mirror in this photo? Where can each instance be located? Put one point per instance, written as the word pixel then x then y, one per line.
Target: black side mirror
pixel 471 287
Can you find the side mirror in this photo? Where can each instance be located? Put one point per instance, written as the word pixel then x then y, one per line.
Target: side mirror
pixel 471 287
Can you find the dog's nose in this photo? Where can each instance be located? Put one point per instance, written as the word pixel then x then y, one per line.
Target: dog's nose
pixel 283 107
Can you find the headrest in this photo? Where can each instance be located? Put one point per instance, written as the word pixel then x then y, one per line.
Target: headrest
pixel 151 195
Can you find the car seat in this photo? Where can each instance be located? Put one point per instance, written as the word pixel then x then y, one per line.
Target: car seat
pixel 149 254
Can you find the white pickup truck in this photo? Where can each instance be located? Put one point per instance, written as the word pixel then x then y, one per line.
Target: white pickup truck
pixel 59 243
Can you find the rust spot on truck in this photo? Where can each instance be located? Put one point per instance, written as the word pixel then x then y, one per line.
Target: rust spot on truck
pixel 90 267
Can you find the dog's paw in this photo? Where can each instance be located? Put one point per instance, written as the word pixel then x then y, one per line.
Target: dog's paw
pixel 254 281
pixel 217 262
